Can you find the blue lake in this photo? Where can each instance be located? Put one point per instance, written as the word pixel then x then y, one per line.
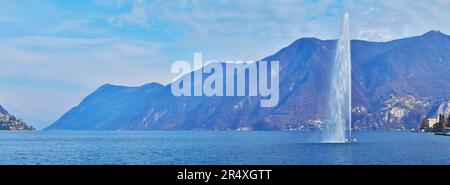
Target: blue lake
pixel 218 147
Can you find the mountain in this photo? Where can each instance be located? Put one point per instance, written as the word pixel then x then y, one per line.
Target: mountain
pixel 2 110
pixel 10 122
pixel 394 84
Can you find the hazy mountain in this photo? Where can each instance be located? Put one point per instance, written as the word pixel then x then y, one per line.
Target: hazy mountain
pixel 394 84
pixel 2 110
pixel 10 122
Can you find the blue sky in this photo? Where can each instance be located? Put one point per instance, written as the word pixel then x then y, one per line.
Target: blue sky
pixel 56 52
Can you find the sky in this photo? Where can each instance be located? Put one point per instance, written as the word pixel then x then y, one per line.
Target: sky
pixel 53 53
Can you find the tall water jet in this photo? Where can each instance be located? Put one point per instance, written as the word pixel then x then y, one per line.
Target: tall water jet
pixel 339 107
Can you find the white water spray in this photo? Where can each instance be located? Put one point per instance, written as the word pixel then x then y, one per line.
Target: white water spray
pixel 339 108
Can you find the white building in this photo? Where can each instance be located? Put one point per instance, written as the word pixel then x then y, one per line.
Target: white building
pixel 432 122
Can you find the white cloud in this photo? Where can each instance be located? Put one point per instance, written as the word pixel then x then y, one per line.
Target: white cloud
pixel 66 58
pixel 373 20
pixel 54 42
pixel 44 76
pixel 138 16
pixel 387 20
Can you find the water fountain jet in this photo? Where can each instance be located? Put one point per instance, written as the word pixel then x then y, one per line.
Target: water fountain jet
pixel 339 107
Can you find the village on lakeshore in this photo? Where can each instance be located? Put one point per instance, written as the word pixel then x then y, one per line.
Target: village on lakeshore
pixel 439 125
pixel 10 122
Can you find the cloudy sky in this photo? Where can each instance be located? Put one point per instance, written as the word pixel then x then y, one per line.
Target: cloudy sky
pixel 53 53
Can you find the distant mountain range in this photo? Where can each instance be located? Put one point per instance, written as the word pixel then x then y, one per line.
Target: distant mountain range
pixel 10 122
pixel 394 84
pixel 2 110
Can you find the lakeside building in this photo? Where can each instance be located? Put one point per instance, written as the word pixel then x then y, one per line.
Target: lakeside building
pixel 437 125
pixel 432 122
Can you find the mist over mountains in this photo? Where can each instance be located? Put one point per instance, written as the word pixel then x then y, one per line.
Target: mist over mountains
pixel 2 110
pixel 394 84
pixel 10 122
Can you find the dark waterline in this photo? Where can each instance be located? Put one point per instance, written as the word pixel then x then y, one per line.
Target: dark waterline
pixel 218 147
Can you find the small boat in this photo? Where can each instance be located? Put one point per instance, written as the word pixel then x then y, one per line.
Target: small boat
pixel 446 132
pixel 351 140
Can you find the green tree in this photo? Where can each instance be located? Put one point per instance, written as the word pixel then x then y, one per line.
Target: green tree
pixel 424 123
pixel 448 121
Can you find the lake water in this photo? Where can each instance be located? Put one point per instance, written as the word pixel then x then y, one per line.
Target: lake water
pixel 219 147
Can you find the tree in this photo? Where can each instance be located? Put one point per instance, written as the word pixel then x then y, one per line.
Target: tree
pixel 448 121
pixel 424 123
pixel 443 121
pixel 440 125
